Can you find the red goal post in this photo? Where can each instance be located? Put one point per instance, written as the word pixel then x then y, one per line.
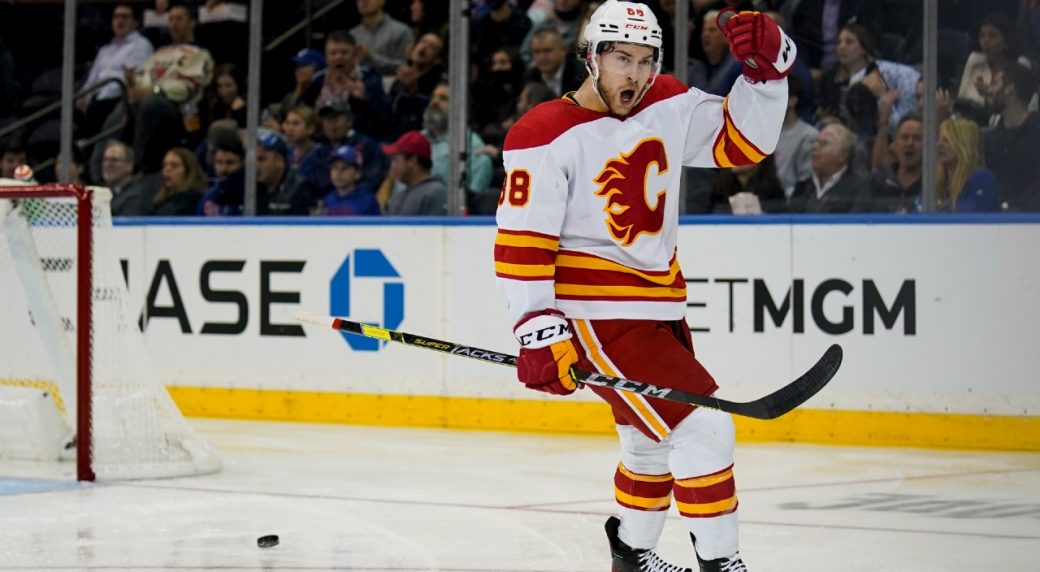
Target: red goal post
pixel 124 421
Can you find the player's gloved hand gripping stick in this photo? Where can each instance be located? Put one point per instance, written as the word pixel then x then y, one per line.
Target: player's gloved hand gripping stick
pixel 547 353
pixel 771 406
pixel 756 40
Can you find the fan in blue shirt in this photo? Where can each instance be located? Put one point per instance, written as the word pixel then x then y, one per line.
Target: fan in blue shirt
pixel 347 196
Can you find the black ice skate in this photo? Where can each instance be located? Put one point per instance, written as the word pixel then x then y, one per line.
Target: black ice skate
pixel 731 564
pixel 628 559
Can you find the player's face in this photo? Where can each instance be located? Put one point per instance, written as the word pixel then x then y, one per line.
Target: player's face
pixel 624 73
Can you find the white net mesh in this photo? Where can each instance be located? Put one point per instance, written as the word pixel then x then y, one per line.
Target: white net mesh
pixel 138 432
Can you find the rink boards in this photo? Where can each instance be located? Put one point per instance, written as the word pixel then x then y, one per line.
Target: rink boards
pixel 938 318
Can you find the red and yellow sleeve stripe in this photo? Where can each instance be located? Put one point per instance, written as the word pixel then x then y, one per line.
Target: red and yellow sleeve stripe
pixel 732 148
pixel 706 496
pixel 525 255
pixel 642 492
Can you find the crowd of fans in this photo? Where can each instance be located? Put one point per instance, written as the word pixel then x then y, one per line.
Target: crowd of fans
pixel 360 127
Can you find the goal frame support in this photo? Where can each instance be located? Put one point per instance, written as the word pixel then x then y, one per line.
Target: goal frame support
pixel 84 311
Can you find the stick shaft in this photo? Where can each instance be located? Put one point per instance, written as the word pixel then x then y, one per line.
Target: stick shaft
pixel 769 407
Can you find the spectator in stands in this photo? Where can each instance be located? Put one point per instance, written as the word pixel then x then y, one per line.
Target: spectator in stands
pixel 753 189
pixel 429 16
pixel 424 194
pixel 167 90
pixel 895 190
pixel 220 131
pixel 435 128
pixel 858 61
pixel 308 63
pixel 182 184
pixel 833 187
pixel 1011 144
pixel 553 64
pixel 504 25
pixel 345 79
pixel 78 172
pixel 794 148
pixel 567 18
pixel 128 49
pixel 415 82
pixel 338 130
pixel 997 48
pixel 11 156
pixel 229 159
pixel 493 94
pixel 963 183
pixel 859 114
pixel 306 156
pixel 347 195
pixel 712 73
pixel 816 27
pixel 226 101
pixel 382 42
pixel 131 194
pixel 280 189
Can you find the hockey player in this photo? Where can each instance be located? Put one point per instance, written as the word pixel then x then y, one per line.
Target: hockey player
pixel 586 256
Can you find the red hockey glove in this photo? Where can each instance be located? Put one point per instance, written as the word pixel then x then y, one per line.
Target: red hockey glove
pixel 546 353
pixel 756 40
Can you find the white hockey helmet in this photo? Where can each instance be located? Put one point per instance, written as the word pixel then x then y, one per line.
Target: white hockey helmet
pixel 623 22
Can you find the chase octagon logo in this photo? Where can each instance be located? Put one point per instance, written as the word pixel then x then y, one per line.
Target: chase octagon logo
pixel 367 265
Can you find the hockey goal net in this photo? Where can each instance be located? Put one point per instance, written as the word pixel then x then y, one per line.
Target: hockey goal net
pixel 75 378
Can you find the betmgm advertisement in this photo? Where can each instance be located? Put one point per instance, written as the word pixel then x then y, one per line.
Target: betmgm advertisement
pixel 934 318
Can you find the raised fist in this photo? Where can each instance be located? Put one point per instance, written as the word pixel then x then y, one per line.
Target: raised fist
pixel 756 40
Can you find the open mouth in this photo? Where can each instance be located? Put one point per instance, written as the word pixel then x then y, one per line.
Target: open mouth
pixel 627 97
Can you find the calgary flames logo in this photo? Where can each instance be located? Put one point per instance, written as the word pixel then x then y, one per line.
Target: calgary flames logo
pixel 623 183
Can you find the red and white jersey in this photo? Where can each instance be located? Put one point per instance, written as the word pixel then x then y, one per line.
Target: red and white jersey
pixel 588 215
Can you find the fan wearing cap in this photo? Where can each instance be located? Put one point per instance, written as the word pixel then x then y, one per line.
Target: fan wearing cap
pixel 308 64
pixel 337 128
pixel 280 189
pixel 424 194
pixel 347 195
pixel 586 256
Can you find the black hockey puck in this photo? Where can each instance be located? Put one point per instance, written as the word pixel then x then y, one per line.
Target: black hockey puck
pixel 267 541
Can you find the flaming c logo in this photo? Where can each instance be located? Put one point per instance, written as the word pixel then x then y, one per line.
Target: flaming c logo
pixel 623 183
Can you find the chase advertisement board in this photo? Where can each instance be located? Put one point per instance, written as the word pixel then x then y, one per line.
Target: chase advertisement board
pixel 922 329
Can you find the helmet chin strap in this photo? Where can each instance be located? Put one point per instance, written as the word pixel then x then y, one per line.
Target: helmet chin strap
pixel 593 67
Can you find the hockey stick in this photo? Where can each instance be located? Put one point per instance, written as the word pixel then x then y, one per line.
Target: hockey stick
pixel 769 407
